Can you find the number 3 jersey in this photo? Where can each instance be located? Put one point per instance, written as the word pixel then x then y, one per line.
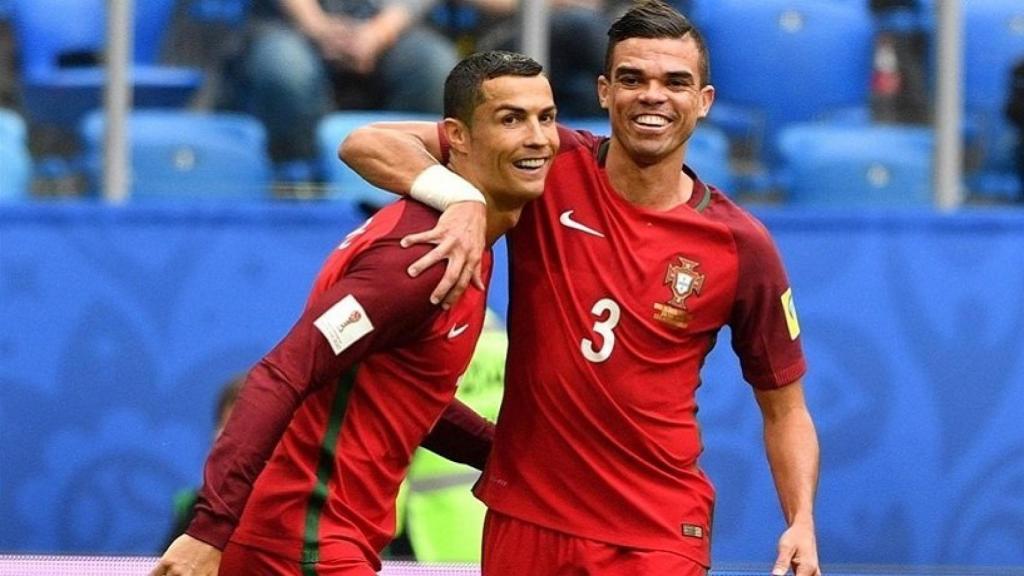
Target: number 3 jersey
pixel 613 310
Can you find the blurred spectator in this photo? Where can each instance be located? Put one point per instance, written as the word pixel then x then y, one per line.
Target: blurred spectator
pixel 302 58
pixel 578 36
pixel 899 82
pixel 186 498
pixel 443 520
pixel 200 37
pixel 1015 113
pixel 8 71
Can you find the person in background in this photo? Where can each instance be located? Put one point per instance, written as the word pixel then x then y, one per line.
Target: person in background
pixel 576 44
pixel 304 58
pixel 899 77
pixel 185 499
pixel 623 274
pixel 1015 114
pixel 305 475
pixel 443 521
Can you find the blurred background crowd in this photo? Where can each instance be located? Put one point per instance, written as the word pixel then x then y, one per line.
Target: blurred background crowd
pixel 120 322
pixel 819 101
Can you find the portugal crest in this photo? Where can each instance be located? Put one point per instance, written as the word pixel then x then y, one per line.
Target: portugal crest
pixel 684 280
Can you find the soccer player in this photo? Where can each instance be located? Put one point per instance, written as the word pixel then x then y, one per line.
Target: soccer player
pixel 622 275
pixel 304 477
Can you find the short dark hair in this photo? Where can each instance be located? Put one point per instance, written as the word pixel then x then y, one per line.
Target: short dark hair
pixel 656 19
pixel 462 88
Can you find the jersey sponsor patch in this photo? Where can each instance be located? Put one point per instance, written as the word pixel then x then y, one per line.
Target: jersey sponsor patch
pixel 344 324
pixel 693 531
pixel 790 310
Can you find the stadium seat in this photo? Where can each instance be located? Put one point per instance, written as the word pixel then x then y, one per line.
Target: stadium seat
pixel 707 152
pixel 15 162
pixel 774 62
pixel 62 44
pixel 848 165
pixel 230 12
pixel 177 154
pixel 993 43
pixel 708 155
pixel 342 183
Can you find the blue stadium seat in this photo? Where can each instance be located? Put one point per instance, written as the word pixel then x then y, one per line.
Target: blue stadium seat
pixel 231 12
pixel 847 165
pixel 774 62
pixel 341 181
pixel 993 43
pixel 62 43
pixel 15 161
pixel 707 152
pixel 177 154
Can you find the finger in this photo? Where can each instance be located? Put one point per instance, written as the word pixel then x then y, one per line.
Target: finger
pixel 806 569
pixel 429 259
pixel 460 287
pixel 782 562
pixel 478 277
pixel 428 237
pixel 450 281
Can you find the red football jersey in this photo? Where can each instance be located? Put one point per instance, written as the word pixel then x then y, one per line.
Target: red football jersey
pixel 613 310
pixel 336 410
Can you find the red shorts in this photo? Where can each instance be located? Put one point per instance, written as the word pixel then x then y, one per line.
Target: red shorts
pixel 242 560
pixel 512 547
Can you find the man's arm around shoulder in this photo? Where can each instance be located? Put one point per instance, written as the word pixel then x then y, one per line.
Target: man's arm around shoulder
pixel 403 158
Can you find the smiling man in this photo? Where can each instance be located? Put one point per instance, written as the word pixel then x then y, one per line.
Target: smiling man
pixel 303 479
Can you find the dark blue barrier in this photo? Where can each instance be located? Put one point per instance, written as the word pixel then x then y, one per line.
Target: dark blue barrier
pixel 118 325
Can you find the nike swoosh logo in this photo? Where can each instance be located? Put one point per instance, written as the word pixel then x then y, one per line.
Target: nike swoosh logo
pixel 456 331
pixel 566 220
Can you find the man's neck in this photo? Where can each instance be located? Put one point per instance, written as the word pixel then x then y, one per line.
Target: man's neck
pixel 500 218
pixel 660 186
pixel 500 221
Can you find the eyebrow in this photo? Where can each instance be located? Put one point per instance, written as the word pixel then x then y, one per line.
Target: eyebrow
pixel 686 74
pixel 520 109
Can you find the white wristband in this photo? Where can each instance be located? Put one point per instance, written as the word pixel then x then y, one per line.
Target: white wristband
pixel 439 188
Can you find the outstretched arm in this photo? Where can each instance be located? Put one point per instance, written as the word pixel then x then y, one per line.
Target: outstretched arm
pixel 403 158
pixel 792 447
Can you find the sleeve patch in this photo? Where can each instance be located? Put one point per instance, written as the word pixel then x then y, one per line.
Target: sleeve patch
pixel 790 310
pixel 344 324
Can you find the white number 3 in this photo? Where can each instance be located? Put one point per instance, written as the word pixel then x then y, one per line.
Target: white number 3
pixel 604 329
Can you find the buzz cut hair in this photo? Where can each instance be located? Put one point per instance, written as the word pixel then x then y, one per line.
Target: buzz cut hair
pixel 463 89
pixel 656 19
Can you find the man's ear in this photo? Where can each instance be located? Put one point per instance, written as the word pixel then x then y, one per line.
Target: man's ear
pixel 458 135
pixel 707 98
pixel 602 91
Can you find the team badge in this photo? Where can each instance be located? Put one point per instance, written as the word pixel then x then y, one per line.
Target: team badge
pixel 685 281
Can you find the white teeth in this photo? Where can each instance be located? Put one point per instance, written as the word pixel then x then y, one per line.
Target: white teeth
pixel 652 120
pixel 530 163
